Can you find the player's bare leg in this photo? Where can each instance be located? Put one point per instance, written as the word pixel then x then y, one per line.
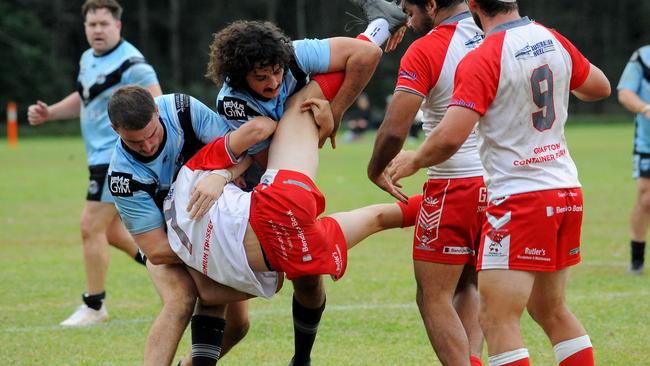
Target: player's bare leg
pixel 120 238
pixel 547 306
pixel 436 285
pixel 503 298
pixel 639 221
pixel 95 219
pixel 178 294
pixel 466 303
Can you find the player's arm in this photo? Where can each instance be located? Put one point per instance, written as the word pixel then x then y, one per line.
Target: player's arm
pixel 440 145
pixel 155 90
pixel 358 59
pixel 391 135
pixel 595 87
pixel 66 108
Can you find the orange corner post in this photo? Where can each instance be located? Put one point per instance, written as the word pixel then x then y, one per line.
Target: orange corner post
pixel 12 124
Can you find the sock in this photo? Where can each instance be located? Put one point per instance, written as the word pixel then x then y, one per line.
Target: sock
pixel 378 31
pixel 305 326
pixel 575 352
pixel 207 336
pixel 331 83
pixel 638 252
pixel 518 357
pixel 475 361
pixel 95 301
pixel 410 210
pixel 140 258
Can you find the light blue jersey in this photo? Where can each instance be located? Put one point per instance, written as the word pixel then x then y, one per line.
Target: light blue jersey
pixel 98 77
pixel 138 183
pixel 636 77
pixel 237 107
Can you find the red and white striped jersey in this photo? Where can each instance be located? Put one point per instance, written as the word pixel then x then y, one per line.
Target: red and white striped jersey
pixel 519 81
pixel 427 69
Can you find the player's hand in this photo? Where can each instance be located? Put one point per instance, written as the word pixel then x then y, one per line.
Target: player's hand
pixel 395 39
pixel 383 181
pixel 37 113
pixel 646 114
pixel 323 117
pixel 403 165
pixel 204 194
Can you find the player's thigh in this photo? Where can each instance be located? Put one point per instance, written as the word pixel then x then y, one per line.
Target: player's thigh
pixel 173 283
pixel 439 279
pixel 504 293
pixel 308 285
pixel 643 191
pixel 295 142
pixel 213 293
pixel 97 216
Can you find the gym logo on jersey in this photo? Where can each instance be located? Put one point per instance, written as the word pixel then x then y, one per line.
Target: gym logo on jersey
pixel 474 42
pixel 535 50
pixel 408 75
pixel 235 109
pixel 120 184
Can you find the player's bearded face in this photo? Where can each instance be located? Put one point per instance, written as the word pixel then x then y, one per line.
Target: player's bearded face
pixel 102 30
pixel 266 80
pixel 417 18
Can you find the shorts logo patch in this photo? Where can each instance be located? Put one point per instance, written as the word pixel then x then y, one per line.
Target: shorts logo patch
pixel 457 250
pixel 574 251
pixel 120 184
pixel 93 187
pixel 497 243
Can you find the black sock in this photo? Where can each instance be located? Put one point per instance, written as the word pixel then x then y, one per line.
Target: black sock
pixel 207 336
pixel 140 257
pixel 305 326
pixel 638 252
pixel 94 301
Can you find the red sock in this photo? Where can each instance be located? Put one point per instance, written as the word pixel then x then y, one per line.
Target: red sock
pixel 410 210
pixel 475 361
pixel 330 83
pixel 575 352
pixel 580 358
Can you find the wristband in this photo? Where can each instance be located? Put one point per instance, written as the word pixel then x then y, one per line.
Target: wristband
pixel 224 173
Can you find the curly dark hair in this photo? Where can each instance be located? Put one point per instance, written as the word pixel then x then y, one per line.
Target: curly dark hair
pixel 244 45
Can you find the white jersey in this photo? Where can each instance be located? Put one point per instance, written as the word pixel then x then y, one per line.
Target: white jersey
pixel 214 244
pixel 519 81
pixel 427 69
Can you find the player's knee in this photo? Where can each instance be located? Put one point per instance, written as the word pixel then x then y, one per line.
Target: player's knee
pixel 548 314
pixel 309 287
pixel 644 202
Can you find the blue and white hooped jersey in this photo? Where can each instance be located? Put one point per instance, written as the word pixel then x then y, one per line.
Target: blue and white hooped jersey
pixel 636 77
pixel 139 184
pixel 237 107
pixel 98 77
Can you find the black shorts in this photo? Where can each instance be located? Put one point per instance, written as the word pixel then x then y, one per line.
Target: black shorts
pixel 97 188
pixel 641 165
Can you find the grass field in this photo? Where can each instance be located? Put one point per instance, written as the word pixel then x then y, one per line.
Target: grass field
pixel 371 317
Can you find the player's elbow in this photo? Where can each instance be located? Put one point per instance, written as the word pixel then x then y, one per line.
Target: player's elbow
pixel 261 128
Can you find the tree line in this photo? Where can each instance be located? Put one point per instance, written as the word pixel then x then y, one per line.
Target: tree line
pixel 42 40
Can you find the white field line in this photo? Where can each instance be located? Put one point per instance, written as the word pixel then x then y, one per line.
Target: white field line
pixel 330 308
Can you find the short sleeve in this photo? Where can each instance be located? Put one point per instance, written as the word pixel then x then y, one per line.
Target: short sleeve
pixel 141 74
pixel 312 55
pixel 207 123
pixel 477 76
pixel 632 75
pixel 139 212
pixel 414 75
pixel 580 65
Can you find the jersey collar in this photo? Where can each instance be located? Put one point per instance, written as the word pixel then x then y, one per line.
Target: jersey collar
pixel 111 50
pixel 148 159
pixel 509 25
pixel 456 18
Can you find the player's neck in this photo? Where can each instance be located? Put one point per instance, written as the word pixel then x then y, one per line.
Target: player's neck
pixel 447 13
pixel 489 23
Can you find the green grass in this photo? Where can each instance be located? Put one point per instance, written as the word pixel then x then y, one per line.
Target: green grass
pixel 371 317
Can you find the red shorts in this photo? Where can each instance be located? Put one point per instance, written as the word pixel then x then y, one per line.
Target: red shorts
pixel 448 228
pixel 284 208
pixel 535 231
